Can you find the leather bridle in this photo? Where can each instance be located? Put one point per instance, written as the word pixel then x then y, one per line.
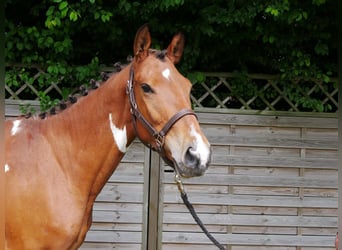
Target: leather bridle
pixel 159 136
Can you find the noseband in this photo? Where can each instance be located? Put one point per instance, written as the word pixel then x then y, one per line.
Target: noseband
pixel 159 136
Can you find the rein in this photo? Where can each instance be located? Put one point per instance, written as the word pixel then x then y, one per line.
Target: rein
pixel 159 137
pixel 193 212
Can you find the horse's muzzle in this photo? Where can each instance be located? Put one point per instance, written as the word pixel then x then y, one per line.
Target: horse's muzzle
pixel 195 162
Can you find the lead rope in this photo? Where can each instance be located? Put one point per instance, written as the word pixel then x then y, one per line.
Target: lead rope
pixel 193 212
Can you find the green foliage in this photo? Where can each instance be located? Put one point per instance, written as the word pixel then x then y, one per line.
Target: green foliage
pixel 27 109
pixel 46 101
pixel 196 77
pixel 243 86
pixel 70 38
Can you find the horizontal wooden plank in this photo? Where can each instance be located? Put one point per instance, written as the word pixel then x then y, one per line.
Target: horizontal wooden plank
pixel 116 226
pixel 253 220
pixel 270 152
pixel 180 246
pixel 250 239
pixel 254 200
pixel 117 178
pixel 259 161
pixel 248 210
pixel 109 246
pixel 255 190
pixel 192 228
pixel 267 120
pixel 122 192
pixel 258 141
pixel 251 210
pixel 261 181
pixel 264 230
pixel 213 247
pixel 270 132
pixel 128 172
pixel 277 171
pixel 118 216
pixel 196 238
pixel 282 230
pixel 113 237
pixel 116 206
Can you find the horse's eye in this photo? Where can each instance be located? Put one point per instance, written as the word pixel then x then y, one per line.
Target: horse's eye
pixel 146 88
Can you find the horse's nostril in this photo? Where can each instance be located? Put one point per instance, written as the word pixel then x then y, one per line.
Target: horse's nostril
pixel 191 158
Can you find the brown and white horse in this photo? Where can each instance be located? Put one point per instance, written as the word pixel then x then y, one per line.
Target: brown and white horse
pixel 56 166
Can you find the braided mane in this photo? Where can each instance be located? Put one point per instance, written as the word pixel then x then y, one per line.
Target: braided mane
pixel 73 98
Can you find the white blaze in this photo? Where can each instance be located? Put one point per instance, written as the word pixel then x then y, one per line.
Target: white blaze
pixel 166 73
pixel 7 168
pixel 202 149
pixel 119 135
pixel 16 127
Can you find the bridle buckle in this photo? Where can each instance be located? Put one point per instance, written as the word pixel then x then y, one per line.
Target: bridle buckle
pixel 160 140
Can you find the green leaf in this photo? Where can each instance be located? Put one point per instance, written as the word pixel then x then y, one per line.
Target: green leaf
pixel 52 69
pixel 271 39
pixel 106 16
pixel 275 12
pixel 63 5
pixel 62 70
pixel 318 2
pixel 20 46
pixel 73 16
pixel 50 11
pixel 49 41
pixel 64 12
pixel 326 78
pixel 271 10
pixel 127 6
pixel 307 62
pixel 200 77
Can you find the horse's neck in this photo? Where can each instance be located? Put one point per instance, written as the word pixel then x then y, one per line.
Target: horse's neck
pixel 84 134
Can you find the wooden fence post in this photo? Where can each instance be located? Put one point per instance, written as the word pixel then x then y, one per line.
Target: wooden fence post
pixel 153 201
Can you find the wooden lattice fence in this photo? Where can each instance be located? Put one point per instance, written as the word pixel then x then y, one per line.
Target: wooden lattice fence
pixel 27 84
pixel 264 92
pixel 215 90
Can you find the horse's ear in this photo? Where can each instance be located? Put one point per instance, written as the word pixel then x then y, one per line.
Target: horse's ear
pixel 142 43
pixel 175 49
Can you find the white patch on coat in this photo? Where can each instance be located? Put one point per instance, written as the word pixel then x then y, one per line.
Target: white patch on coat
pixel 202 149
pixel 166 73
pixel 7 168
pixel 119 135
pixel 16 127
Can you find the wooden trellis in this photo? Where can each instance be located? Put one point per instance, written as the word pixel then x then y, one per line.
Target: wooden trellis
pixel 31 85
pixel 221 90
pixel 219 93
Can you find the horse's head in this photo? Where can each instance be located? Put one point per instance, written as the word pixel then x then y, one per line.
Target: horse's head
pixel 161 107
